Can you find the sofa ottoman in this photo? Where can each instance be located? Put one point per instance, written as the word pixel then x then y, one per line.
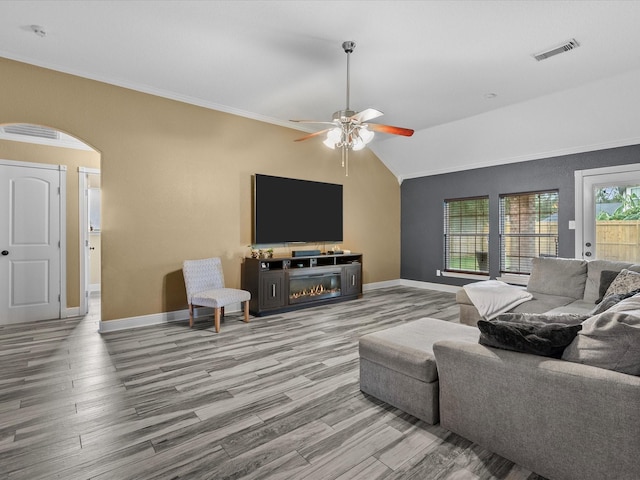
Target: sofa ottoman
pixel 397 365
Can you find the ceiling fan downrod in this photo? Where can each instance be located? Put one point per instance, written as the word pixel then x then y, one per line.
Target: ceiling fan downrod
pixel 348 47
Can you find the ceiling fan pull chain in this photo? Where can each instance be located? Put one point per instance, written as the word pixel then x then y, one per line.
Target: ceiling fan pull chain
pixel 346 161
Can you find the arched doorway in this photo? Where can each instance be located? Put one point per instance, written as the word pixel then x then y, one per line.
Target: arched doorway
pixel 31 145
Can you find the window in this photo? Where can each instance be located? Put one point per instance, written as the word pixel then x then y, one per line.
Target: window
pixel 466 235
pixel 528 229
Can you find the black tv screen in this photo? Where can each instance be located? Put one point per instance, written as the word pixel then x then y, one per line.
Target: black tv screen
pixel 287 210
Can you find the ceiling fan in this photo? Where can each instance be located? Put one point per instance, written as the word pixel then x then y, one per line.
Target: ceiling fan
pixel 348 129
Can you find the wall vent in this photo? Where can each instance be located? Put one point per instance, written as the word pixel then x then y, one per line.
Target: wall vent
pixel 565 47
pixel 32 131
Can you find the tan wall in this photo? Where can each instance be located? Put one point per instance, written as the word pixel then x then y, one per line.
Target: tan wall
pixel 176 183
pixel 27 152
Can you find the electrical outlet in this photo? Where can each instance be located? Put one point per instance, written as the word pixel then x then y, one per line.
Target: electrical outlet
pixel 438 273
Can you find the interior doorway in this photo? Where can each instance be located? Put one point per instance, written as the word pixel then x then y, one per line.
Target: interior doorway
pixel 33 145
pixel 90 216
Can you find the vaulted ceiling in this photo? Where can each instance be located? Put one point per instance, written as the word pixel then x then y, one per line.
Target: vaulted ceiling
pixel 427 65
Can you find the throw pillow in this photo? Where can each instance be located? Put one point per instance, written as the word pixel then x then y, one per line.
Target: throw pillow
pixel 606 278
pixel 538 338
pixel 609 340
pixel 612 300
pixel 626 281
pixel 538 318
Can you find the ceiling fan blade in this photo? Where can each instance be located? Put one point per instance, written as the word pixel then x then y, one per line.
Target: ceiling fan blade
pixel 365 115
pixel 313 121
pixel 311 135
pixel 376 127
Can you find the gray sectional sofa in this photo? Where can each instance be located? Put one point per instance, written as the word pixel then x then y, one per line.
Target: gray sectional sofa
pixel 564 420
pixel 558 285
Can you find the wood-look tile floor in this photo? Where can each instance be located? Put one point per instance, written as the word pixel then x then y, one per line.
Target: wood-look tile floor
pixel 277 398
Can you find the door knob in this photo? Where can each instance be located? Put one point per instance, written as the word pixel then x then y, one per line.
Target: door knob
pixel 5 252
pixel 588 244
pixel 587 254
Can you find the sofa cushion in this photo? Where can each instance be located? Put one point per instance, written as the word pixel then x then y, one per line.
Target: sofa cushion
pixel 543 302
pixel 625 282
pixel 529 336
pixel 594 271
pixel 565 277
pixel 577 307
pixel 610 339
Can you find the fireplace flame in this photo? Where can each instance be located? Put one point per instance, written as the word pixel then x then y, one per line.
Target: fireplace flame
pixel 313 291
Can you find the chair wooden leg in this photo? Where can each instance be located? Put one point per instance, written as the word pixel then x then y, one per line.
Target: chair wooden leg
pixel 190 315
pixel 216 319
pixel 246 312
pixel 222 311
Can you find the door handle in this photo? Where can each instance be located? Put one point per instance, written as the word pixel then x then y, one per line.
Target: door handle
pixel 5 252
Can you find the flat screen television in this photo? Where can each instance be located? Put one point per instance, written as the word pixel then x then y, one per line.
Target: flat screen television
pixel 287 210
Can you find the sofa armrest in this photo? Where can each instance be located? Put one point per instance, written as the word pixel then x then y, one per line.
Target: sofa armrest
pixel 556 418
pixel 469 314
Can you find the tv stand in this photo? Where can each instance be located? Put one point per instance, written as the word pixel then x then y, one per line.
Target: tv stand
pixel 289 283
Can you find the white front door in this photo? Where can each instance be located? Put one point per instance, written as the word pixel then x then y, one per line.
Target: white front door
pixel 607 223
pixel 30 242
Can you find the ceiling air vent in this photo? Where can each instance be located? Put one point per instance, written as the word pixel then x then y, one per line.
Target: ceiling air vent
pixel 565 47
pixel 32 131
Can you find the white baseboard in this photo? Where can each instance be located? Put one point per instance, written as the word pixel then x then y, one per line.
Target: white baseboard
pixel 401 282
pixel 71 312
pixel 386 284
pixel 183 315
pixel 441 287
pixel 159 318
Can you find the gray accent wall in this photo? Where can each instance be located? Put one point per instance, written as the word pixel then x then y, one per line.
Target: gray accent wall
pixel 422 224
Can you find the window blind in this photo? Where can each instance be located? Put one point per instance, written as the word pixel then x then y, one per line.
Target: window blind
pixel 466 235
pixel 528 229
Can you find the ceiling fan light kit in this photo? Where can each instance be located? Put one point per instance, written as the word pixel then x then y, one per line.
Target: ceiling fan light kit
pixel 350 132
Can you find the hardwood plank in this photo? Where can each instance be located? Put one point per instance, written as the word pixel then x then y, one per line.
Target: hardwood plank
pixel 275 398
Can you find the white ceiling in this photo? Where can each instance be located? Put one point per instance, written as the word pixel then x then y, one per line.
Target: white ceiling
pixel 423 63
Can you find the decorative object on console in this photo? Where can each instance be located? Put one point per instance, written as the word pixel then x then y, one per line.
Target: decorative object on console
pixel 349 132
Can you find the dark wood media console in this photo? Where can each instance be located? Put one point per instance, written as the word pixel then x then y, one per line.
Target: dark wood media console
pixel 288 283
